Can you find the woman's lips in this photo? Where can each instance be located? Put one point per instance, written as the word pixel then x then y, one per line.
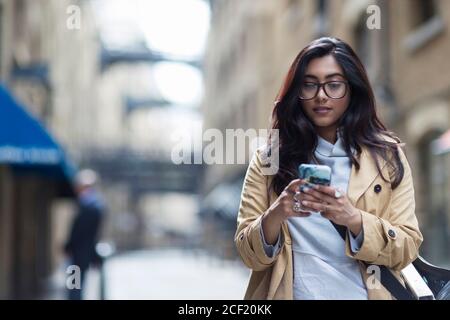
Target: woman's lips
pixel 321 110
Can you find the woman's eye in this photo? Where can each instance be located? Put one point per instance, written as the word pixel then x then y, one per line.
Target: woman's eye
pixel 334 85
pixel 309 85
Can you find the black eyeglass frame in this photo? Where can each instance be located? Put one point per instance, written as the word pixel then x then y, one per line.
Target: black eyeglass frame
pixel 322 84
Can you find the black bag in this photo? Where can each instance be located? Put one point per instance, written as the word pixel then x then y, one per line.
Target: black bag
pixel 436 278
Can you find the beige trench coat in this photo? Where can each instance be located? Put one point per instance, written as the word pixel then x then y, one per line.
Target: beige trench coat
pixel 391 233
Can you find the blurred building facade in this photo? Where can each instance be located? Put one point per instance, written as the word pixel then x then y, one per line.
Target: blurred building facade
pixel 251 47
pixel 37 52
pixel 420 41
pixel 102 106
pixel 51 62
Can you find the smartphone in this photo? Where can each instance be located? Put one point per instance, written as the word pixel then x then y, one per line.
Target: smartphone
pixel 314 174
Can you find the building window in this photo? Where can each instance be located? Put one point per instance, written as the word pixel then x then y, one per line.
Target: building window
pixel 362 37
pixel 434 187
pixel 425 24
pixel 321 21
pixel 421 12
pixel 321 7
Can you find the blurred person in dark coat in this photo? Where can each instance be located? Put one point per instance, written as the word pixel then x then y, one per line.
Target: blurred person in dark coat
pixel 81 244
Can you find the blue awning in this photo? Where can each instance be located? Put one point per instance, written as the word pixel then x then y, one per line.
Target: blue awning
pixel 27 146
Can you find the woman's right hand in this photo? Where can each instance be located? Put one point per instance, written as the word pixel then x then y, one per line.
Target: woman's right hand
pixel 282 209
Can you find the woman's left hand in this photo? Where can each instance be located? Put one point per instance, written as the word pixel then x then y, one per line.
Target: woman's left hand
pixel 334 205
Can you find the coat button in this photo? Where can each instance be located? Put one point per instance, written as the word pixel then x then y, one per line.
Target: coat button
pixel 377 188
pixel 392 234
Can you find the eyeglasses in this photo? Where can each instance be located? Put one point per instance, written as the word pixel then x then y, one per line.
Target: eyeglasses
pixel 333 89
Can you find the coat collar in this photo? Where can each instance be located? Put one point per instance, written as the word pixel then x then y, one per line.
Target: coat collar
pixel 361 180
pixel 328 149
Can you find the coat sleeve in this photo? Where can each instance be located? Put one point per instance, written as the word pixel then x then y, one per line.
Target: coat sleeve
pixel 394 241
pixel 254 202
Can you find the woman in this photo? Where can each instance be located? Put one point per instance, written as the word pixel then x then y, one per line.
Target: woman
pixel 325 113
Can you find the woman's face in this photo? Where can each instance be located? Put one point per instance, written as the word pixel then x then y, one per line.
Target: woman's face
pixel 322 110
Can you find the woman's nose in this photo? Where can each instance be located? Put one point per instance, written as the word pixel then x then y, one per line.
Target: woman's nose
pixel 321 95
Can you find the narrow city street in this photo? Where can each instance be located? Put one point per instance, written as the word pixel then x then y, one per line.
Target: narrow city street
pixel 169 274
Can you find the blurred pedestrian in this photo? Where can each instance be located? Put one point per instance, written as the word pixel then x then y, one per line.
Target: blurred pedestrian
pixel 317 242
pixel 81 244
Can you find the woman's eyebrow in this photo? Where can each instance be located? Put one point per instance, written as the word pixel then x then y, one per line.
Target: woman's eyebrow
pixel 326 77
pixel 334 74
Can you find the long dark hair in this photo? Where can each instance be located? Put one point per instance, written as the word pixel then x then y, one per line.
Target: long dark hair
pixel 360 125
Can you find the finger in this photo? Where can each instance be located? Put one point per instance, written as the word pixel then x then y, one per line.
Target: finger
pixel 307 208
pixel 289 188
pixel 330 191
pixel 316 206
pixel 338 193
pixel 319 195
pixel 307 197
pixel 292 187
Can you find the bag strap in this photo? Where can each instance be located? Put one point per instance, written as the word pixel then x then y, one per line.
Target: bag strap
pixel 387 279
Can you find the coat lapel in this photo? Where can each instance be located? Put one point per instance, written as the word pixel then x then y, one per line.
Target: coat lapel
pixel 361 180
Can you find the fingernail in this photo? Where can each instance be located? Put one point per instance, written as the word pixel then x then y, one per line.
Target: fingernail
pixel 305 189
pixel 316 186
pixel 305 202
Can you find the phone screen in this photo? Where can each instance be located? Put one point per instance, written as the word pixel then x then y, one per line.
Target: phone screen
pixel 315 174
